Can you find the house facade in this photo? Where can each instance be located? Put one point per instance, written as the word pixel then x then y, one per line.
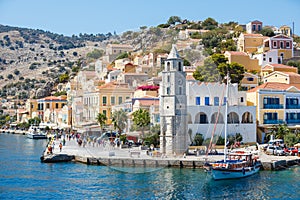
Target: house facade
pixel 249 42
pixel 243 59
pixel 206 108
pixel 276 103
pixel 254 26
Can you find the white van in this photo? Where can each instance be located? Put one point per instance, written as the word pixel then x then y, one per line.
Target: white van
pixel 276 142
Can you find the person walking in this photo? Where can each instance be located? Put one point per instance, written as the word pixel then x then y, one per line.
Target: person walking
pixel 60 146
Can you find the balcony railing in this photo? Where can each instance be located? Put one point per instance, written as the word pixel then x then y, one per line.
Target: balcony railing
pixel 273 121
pixel 293 121
pixel 273 106
pixel 297 106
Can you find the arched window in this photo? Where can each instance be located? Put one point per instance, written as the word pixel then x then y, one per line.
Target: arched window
pixel 247 118
pixel 233 118
pixel 201 118
pixel 215 117
pixel 168 66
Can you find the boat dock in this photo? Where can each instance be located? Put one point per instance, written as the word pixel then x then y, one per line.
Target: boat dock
pixel 93 154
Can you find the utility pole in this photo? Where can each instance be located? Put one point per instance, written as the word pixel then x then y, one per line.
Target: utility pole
pixel 293 30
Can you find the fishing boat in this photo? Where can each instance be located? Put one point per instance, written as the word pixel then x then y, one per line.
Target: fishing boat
pixel 236 164
pixel 35 133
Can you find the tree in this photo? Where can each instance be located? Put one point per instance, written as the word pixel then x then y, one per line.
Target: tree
pixel 10 76
pixel 141 118
pixel 290 139
pixel 63 78
pixel 34 121
pixel 208 72
pixel 123 55
pixel 16 72
pixel 279 131
pixel 198 139
pixel 95 54
pixel 119 119
pixel 266 31
pixel 101 119
pixel 173 20
pixel 236 71
pixel 209 24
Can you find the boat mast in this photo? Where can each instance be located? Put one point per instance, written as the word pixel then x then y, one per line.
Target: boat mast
pixel 226 115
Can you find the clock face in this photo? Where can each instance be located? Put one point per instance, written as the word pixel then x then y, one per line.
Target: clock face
pixel 180 81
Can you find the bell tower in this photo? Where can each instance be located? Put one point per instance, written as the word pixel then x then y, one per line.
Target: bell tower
pixel 173 106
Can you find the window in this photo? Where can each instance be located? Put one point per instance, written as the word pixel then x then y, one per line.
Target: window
pixel 47 105
pixel 198 101
pixel 216 101
pixel 253 27
pixel 104 112
pixel 287 44
pixel 56 105
pixel 281 55
pixel 104 100
pixel 120 100
pixel 179 66
pixel 168 78
pixel 180 90
pixel 270 59
pixel 168 66
pixel 168 90
pixel 259 27
pixel 281 45
pixel 275 44
pixel 242 99
pixel 250 79
pixel 206 101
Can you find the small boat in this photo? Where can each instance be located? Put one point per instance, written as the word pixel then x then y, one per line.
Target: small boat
pixel 234 165
pixel 54 158
pixel 35 133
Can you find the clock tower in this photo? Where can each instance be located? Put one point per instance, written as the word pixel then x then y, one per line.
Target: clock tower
pixel 173 106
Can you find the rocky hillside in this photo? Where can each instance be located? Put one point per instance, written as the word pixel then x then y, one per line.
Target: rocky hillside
pixel 35 59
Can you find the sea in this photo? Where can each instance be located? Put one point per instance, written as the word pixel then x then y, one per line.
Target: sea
pixel 23 176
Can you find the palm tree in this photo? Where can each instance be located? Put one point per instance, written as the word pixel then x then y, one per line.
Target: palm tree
pixel 101 119
pixel 141 118
pixel 119 119
pixel 279 131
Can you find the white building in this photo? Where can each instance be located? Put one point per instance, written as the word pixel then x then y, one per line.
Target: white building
pixel 206 100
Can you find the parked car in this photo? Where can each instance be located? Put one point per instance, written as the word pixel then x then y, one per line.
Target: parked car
pixel 276 142
pixel 293 151
pixel 275 150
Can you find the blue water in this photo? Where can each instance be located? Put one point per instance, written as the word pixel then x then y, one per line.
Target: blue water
pixel 23 176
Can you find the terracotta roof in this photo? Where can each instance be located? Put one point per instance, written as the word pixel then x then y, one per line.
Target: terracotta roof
pixel 281 66
pixel 113 85
pixel 190 77
pixel 149 102
pixel 253 35
pixel 237 53
pixel 271 85
pixel 54 98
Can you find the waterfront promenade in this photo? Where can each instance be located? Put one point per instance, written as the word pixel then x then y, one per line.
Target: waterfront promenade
pixel 115 156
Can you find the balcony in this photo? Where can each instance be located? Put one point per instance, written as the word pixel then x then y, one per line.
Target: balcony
pixel 293 121
pixel 273 121
pixel 293 106
pixel 273 106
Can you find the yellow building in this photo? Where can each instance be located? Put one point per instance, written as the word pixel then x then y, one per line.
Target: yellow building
pixel 111 94
pixel 276 103
pixel 290 78
pixel 243 59
pixel 250 42
pixel 249 81
pixel 286 30
pixel 49 109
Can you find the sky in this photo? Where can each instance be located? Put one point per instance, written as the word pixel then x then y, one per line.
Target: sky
pixel 70 17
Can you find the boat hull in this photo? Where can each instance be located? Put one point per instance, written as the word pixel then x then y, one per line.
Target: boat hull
pixel 36 136
pixel 219 174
